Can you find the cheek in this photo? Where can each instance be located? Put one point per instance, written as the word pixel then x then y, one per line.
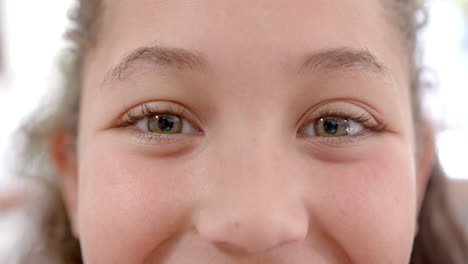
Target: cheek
pixel 370 202
pixel 128 203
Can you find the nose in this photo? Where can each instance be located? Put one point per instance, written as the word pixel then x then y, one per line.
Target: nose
pixel 253 207
pixel 251 232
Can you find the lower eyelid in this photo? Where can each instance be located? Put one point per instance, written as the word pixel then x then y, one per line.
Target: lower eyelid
pixel 343 141
pixel 144 138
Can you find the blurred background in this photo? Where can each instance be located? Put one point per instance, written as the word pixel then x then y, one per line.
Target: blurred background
pixel 31 36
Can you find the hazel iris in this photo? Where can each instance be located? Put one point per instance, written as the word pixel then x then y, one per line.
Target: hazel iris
pixel 165 124
pixel 332 127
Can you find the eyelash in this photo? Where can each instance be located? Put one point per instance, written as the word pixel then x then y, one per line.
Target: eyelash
pixel 364 119
pixel 144 111
pixel 147 111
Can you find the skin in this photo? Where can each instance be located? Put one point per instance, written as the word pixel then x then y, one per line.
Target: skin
pixel 247 186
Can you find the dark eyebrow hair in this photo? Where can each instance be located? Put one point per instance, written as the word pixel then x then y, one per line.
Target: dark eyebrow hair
pixel 177 58
pixel 342 59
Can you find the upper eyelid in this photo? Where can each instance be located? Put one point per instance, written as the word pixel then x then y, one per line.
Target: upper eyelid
pixel 342 115
pixel 329 106
pixel 170 107
pixel 164 107
pixel 362 118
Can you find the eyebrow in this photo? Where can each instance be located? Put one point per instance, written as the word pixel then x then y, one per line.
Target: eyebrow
pixel 342 59
pixel 166 57
pixel 336 59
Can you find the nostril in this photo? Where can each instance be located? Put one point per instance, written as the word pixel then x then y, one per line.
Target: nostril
pixel 230 248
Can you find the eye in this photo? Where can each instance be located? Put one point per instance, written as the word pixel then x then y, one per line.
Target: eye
pixel 157 119
pixel 165 124
pixel 332 127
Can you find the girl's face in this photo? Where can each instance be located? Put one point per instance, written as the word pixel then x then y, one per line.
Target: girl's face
pixel 266 131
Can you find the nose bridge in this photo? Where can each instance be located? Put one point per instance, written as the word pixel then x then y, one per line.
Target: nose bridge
pixel 253 206
pixel 253 154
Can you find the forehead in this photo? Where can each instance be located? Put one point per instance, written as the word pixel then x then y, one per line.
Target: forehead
pixel 258 33
pixel 241 23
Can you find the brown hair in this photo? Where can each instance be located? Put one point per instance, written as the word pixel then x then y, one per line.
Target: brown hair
pixel 439 239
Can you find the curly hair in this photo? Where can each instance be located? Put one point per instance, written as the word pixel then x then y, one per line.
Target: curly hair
pixel 439 239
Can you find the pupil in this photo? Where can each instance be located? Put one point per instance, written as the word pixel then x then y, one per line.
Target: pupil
pixel 330 126
pixel 165 123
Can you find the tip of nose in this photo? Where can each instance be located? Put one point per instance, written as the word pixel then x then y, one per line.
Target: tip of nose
pixel 255 236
